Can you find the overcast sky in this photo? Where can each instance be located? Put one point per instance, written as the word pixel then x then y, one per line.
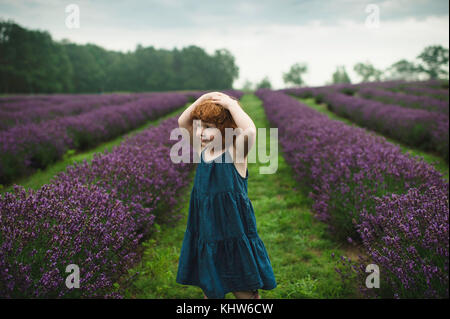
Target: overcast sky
pixel 266 37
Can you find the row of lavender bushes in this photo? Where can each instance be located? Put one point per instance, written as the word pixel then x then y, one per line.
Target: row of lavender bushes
pixel 400 85
pixel 422 102
pixel 367 190
pixel 428 91
pixel 44 98
pixel 440 94
pixel 438 85
pixel 427 95
pixel 93 215
pixel 15 103
pixel 415 127
pixel 24 148
pixel 38 111
pixel 437 89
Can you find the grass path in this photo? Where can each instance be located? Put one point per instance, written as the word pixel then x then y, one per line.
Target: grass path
pixel 299 246
pixel 42 177
pixel 437 161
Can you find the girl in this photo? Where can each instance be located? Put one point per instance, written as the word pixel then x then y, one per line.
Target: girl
pixel 221 250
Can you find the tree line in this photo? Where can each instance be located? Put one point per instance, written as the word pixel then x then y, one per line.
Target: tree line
pixel 432 63
pixel 31 62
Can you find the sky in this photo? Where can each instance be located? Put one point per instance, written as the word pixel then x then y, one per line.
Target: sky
pixel 265 37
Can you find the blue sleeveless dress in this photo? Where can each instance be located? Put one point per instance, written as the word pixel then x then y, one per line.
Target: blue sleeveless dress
pixel 221 250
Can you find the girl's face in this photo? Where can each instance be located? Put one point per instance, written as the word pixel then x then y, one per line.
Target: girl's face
pixel 206 132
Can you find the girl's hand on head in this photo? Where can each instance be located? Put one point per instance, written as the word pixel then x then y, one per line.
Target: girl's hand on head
pixel 210 95
pixel 224 100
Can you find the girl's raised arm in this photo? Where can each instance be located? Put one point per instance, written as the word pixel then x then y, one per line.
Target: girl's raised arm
pixel 247 137
pixel 185 118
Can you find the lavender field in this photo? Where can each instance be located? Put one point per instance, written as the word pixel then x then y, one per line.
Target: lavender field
pixel 341 110
pixel 367 191
pixel 103 213
pixel 420 120
pixel 96 213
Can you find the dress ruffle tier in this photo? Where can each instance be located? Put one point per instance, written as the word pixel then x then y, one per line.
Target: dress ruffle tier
pixel 221 250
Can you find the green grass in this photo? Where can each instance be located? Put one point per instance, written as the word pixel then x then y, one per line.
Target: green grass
pixel 437 161
pixel 41 177
pixel 298 245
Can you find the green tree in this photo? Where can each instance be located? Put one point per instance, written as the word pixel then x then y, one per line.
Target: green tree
pixel 88 75
pixel 340 75
pixel 264 84
pixel 31 62
pixel 225 69
pixel 294 75
pixel 434 61
pixel 403 70
pixel 367 72
pixel 248 86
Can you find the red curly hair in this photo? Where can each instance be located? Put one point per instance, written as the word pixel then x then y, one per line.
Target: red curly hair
pixel 210 112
